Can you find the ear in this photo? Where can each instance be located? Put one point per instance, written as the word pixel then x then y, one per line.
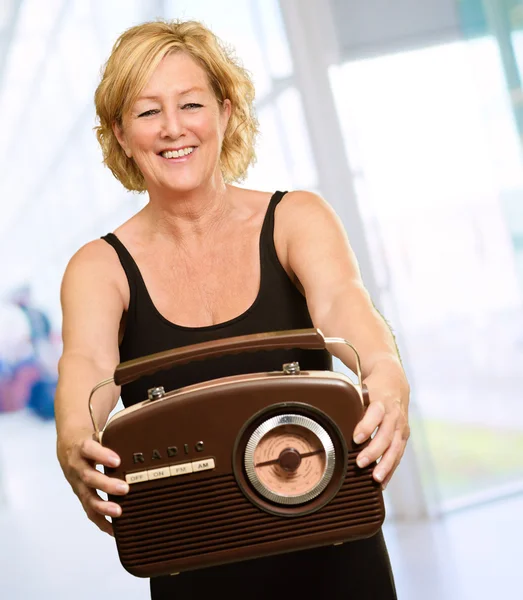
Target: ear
pixel 120 136
pixel 225 114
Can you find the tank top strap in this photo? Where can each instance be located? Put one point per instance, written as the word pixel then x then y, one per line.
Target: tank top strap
pixel 129 266
pixel 267 233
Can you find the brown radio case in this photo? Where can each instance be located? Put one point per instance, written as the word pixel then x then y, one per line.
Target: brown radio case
pixel 193 500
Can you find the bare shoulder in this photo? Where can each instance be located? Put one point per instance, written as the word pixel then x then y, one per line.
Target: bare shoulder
pixel 92 304
pixel 96 264
pixel 303 219
pixel 302 207
pixel 96 251
pixel 294 209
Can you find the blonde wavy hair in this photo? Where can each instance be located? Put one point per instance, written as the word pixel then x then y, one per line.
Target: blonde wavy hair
pixel 134 57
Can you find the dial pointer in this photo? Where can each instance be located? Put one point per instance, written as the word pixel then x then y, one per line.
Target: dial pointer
pixel 277 460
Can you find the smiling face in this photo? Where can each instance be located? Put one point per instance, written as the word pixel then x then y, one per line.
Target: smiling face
pixel 176 111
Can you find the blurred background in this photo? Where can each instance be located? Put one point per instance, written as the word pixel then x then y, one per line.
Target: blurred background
pixel 407 117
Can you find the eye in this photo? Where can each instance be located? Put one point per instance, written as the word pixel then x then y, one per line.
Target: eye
pixel 149 112
pixel 191 106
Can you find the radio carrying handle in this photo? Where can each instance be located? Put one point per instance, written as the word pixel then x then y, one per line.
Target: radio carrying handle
pixel 306 339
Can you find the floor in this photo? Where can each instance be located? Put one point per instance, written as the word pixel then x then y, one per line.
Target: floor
pixel 49 550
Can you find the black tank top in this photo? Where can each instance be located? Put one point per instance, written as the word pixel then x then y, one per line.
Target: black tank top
pixel 359 569
pixel 278 306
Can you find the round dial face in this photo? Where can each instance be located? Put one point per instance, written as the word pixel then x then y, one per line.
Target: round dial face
pixel 289 459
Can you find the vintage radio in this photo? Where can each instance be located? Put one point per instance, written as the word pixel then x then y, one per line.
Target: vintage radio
pixel 239 467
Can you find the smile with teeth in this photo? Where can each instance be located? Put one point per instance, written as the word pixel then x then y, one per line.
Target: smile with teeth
pixel 177 153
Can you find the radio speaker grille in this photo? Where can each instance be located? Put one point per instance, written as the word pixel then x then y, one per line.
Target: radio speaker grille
pixel 195 518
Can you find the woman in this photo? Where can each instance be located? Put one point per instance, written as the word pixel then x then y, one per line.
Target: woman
pixel 205 260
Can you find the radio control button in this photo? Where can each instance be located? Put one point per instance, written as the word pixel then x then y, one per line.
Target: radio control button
pixel 203 465
pixel 158 473
pixel 136 477
pixel 181 469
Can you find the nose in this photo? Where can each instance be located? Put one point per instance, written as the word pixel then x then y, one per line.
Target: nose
pixel 171 124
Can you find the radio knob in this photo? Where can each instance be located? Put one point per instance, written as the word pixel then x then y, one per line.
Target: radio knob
pixel 292 368
pixel 155 393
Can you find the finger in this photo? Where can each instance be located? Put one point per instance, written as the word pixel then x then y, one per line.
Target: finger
pixel 372 418
pixel 389 477
pixel 380 443
pixel 395 466
pixel 110 485
pixel 101 522
pixel 94 451
pixel 390 459
pixel 93 503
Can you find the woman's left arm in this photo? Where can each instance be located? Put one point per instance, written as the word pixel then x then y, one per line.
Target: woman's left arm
pixel 326 268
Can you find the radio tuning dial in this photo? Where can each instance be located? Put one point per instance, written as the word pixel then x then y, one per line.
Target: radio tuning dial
pixel 289 459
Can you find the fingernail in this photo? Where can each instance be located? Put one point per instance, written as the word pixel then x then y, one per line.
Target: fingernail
pixel 359 438
pixel 363 462
pixel 115 511
pixel 379 476
pixel 114 460
pixel 122 487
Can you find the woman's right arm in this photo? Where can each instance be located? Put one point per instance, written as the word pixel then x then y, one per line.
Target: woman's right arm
pixel 92 308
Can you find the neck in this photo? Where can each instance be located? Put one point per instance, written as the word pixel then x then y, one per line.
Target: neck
pixel 186 217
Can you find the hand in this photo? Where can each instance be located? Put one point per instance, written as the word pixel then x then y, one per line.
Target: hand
pixel 78 460
pixel 387 411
